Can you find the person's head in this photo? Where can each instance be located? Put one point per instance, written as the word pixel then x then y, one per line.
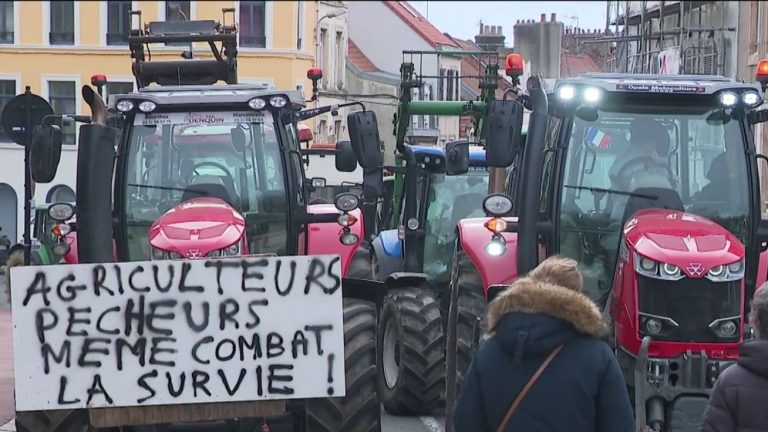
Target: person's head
pixel 650 135
pixel 758 315
pixel 559 271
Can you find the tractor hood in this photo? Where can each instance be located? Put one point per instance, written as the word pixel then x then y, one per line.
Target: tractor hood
pixel 693 243
pixel 196 227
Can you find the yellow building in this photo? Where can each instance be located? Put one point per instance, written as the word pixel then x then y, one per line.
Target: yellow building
pixel 68 41
pixel 54 47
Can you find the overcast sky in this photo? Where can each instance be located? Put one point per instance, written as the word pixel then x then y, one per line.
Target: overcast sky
pixel 461 18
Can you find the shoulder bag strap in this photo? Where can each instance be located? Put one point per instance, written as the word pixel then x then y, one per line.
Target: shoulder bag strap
pixel 527 387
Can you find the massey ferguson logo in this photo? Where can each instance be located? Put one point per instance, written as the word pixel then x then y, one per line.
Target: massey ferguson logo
pixel 193 253
pixel 695 269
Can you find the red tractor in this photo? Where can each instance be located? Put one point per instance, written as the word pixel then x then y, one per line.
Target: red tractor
pixel 651 184
pixel 205 171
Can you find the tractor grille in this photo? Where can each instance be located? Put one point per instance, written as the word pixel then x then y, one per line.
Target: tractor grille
pixel 691 303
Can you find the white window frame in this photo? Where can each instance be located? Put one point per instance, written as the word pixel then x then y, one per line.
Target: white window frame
pixel 104 23
pixel 47 25
pixel 300 26
pixel 339 58
pixel 268 18
pixel 45 79
pixel 16 27
pixel 17 78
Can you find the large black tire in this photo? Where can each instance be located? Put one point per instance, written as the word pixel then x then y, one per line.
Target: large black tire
pixel 359 410
pixel 410 347
pixel 54 421
pixel 471 308
pixel 360 267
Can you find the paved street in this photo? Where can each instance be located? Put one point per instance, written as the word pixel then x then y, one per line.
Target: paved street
pixel 389 423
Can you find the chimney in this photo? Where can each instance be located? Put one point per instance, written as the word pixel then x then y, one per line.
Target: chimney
pixel 553 17
pixel 543 17
pixel 498 31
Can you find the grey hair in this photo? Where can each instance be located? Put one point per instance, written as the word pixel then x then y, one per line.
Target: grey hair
pixel 758 314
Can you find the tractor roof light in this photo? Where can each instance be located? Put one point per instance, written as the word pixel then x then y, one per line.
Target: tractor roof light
pixel 278 101
pixel 751 99
pixel 566 93
pixel 728 99
pixel 257 103
pixel 592 95
pixel 147 106
pixel 314 73
pixel 761 72
pixel 98 80
pixel 514 65
pixel 125 105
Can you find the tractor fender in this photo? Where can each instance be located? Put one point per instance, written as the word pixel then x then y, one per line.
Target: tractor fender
pixel 406 279
pixel 388 263
pixel 762 270
pixel 473 237
pixel 362 289
pixel 324 238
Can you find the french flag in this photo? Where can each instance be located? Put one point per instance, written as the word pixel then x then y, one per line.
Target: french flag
pixel 598 139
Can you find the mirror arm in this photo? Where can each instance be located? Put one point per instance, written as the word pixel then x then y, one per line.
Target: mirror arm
pixel 313 112
pixel 53 119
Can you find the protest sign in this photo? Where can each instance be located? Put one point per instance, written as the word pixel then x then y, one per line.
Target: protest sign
pixel 177 332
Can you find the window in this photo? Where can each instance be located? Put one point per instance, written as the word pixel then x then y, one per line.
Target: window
pixel 63 100
pixel 337 130
pixel 322 132
pixel 441 85
pixel 177 11
pixel 321 54
pixel 6 22
pixel 252 26
pixel 117 87
pixel 62 20
pixel 118 22
pixel 339 60
pixel 7 92
pixel 300 26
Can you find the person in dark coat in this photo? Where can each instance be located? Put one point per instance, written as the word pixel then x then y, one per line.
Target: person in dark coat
pixel 740 395
pixel 582 389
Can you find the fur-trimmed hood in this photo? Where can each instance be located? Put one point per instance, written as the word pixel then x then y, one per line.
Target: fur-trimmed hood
pixel 540 316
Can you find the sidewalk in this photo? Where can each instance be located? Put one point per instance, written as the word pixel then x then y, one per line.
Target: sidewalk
pixel 6 367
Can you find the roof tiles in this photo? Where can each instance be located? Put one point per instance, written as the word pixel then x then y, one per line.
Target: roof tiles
pixel 418 23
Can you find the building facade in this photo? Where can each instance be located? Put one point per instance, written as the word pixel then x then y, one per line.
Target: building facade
pixel 54 47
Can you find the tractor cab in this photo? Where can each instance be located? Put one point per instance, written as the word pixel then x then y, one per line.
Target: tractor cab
pixel 651 184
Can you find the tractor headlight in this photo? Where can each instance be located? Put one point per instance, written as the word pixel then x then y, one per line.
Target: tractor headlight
pixel 566 92
pixel 497 205
pixel 147 106
pixel 751 99
pixel 592 95
pixel 497 246
pixel 277 101
pixel 229 251
pixel 726 327
pixel 654 269
pixel 257 103
pixel 655 325
pixel 728 99
pixel 159 254
pixel 727 273
pixel 348 239
pixel 124 105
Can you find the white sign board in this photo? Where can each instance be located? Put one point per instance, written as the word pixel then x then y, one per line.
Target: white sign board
pixel 177 332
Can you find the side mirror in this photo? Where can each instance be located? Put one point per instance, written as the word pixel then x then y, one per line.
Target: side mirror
pixel 45 152
pixel 364 135
pixel 756 117
pixel 346 161
pixel 456 157
pixel 505 124
pixel 238 138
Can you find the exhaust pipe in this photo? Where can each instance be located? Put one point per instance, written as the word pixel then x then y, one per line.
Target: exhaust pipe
pixel 95 161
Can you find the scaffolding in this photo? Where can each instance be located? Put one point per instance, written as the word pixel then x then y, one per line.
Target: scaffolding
pixel 667 37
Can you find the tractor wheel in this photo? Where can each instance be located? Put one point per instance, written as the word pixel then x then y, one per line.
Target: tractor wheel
pixel 411 359
pixel 471 304
pixel 55 421
pixel 360 267
pixel 359 410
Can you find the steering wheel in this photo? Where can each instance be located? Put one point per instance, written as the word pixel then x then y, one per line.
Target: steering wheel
pixel 213 164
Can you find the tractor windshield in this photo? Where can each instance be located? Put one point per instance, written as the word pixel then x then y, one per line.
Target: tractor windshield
pixel 695 152
pixel 173 156
pixel 450 199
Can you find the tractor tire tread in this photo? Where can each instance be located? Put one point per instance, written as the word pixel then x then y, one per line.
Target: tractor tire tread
pixel 471 307
pixel 421 386
pixel 359 409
